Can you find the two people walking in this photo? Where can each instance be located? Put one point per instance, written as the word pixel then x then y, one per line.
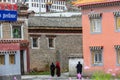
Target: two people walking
pixel 53 67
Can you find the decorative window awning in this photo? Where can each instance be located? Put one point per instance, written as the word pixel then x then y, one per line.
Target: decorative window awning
pixel 117 46
pixel 96 47
pixel 51 36
pixel 35 35
pixel 17 23
pixel 7 52
pixel 93 15
pixel 117 13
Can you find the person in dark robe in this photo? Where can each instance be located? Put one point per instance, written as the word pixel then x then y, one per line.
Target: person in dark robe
pixel 52 69
pixel 58 73
pixel 79 68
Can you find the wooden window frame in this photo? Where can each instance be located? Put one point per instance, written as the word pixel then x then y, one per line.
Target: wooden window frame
pixel 12 59
pixel 2 60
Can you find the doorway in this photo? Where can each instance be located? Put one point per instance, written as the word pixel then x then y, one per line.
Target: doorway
pixel 22 61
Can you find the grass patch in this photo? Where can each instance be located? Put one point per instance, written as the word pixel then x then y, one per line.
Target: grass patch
pixel 40 73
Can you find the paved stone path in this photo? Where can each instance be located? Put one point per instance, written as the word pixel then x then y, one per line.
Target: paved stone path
pixel 52 78
pixel 48 77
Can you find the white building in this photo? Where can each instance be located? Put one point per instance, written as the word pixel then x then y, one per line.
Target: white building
pixel 40 6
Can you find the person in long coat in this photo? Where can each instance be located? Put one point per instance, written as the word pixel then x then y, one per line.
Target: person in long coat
pixel 79 68
pixel 58 73
pixel 52 69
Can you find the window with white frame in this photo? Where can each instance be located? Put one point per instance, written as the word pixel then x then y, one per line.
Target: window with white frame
pixel 35 42
pixel 96 55
pixel 117 21
pixel 16 32
pixel 0 30
pixel 118 56
pixel 95 23
pixel 117 48
pixel 51 42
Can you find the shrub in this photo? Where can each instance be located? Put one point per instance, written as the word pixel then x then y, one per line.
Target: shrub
pixel 99 75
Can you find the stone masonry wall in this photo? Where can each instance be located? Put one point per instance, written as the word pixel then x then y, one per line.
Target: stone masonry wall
pixel 41 58
pixel 6 29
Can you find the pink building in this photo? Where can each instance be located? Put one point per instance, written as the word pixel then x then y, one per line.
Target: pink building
pixel 101 34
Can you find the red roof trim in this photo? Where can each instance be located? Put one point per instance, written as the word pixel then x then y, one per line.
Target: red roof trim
pixel 92 3
pixel 10 46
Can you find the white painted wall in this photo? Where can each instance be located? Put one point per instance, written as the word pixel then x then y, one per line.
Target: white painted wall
pixel 25 61
pixel 42 5
pixel 72 65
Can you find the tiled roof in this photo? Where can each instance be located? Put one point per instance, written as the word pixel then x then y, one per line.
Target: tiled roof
pixel 89 2
pixel 50 22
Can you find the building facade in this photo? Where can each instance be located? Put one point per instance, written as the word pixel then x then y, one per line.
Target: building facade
pixel 40 6
pixel 54 39
pixel 14 50
pixel 101 31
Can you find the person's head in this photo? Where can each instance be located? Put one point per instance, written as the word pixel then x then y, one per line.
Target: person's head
pixel 78 62
pixel 57 64
pixel 52 63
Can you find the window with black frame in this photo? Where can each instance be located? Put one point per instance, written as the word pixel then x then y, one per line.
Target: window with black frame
pixel 35 42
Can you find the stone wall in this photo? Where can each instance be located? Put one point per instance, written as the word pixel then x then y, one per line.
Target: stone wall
pixel 65 45
pixel 6 31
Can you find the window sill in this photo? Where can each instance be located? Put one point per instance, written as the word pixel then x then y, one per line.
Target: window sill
pixel 51 48
pixel 99 64
pixel 35 47
pixel 95 32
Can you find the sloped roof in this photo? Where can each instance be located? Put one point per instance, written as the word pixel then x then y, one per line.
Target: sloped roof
pixel 88 2
pixel 38 21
